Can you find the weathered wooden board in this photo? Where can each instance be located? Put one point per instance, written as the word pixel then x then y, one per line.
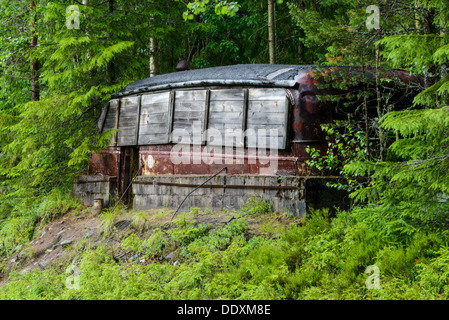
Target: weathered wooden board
pixel 151 118
pixel 189 114
pixel 226 114
pixel 261 94
pixel 268 109
pixel 101 120
pixel 110 121
pixel 153 138
pixel 128 121
pixel 154 118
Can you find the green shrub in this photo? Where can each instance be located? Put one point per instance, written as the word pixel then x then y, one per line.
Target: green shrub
pixel 156 242
pixel 188 233
pixel 139 221
pixel 57 203
pixel 256 205
pixel 132 243
pixel 323 258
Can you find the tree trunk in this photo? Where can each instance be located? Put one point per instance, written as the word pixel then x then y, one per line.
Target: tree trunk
pixel 111 64
pixel 35 90
pixel 380 109
pixel 301 34
pixel 153 70
pixel 271 32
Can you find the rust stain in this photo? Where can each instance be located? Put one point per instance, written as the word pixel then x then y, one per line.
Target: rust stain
pixel 107 162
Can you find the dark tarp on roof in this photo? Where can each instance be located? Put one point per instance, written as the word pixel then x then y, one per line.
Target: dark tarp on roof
pixel 265 74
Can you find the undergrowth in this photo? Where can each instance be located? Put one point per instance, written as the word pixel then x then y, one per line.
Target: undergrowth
pixel 324 257
pixel 21 221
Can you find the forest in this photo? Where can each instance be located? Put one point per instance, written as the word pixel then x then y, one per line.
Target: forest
pixel 61 60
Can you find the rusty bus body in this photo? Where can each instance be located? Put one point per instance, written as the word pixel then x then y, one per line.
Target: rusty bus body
pixel 153 116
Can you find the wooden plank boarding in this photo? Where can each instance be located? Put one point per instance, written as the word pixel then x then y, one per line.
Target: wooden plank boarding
pixel 206 117
pixel 268 109
pixel 154 118
pixel 190 108
pixel 284 142
pixel 139 105
pixel 151 118
pixel 117 119
pixel 128 121
pixel 171 110
pixel 226 114
pixel 108 120
pixel 101 121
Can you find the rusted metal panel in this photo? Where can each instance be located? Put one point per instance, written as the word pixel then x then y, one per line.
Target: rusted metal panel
pixel 107 162
pixel 221 186
pixel 160 160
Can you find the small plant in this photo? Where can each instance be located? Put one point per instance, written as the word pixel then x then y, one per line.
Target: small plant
pixel 345 144
pixel 188 232
pixel 29 251
pixel 194 211
pixel 132 243
pixel 155 243
pixel 256 205
pixel 109 219
pixel 139 221
pixel 57 203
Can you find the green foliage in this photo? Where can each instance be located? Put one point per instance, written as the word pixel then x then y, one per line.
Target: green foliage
pixel 188 232
pixel 132 243
pixel 400 225
pixel 256 205
pixel 139 221
pixel 16 231
pixel 323 258
pixel 155 243
pixel 109 219
pixel 346 143
pixel 45 143
pixel 434 276
pixel 221 8
pixel 57 203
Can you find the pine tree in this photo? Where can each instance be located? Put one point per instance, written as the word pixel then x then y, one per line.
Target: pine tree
pixel 48 118
pixel 414 180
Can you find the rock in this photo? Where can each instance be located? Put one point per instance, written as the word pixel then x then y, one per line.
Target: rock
pixel 13 260
pixel 18 248
pixel 176 263
pixel 60 232
pixel 65 243
pixel 89 234
pixel 142 260
pixel 43 234
pixel 21 255
pixel 169 256
pixel 122 225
